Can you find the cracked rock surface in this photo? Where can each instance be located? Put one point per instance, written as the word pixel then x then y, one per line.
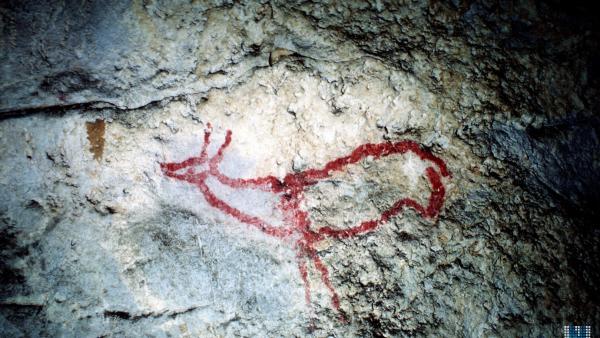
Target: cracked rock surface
pixel 97 240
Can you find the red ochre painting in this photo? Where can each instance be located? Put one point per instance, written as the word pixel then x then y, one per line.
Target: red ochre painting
pixel 291 191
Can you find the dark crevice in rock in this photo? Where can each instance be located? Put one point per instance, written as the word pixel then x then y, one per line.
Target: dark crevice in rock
pixel 125 315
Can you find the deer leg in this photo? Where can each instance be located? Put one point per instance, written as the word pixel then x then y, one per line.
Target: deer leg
pixel 335 300
pixel 302 266
pixel 304 274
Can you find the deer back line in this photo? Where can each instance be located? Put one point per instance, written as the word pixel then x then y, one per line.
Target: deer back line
pixel 297 181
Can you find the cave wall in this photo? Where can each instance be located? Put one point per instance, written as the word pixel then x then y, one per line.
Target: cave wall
pixel 492 107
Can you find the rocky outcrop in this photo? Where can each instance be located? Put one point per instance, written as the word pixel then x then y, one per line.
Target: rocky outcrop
pixel 369 169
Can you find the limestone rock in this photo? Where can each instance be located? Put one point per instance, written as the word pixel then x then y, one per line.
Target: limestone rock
pixel 318 117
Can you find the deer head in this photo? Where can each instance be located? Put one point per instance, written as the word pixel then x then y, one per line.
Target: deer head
pixel 198 168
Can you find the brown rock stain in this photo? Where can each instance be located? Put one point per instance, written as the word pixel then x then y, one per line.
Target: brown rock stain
pixel 278 54
pixel 95 135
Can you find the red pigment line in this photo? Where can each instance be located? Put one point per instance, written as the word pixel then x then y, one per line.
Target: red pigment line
pixel 377 151
pixel 436 199
pixel 267 183
pixel 203 151
pixel 188 177
pixel 335 300
pixel 178 166
pixel 192 161
pixel 426 156
pixel 371 225
pixel 291 190
pixel 240 216
pixel 304 274
pixel 214 162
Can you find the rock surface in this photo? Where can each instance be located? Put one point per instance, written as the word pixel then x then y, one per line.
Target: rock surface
pixel 96 240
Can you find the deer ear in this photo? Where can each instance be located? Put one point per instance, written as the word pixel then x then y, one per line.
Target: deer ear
pixel 164 167
pixel 207 133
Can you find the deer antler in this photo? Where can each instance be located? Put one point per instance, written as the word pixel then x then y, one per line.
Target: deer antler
pixel 218 157
pixel 171 168
pixel 207 133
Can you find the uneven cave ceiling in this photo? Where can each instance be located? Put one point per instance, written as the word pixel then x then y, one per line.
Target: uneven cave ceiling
pixel 371 168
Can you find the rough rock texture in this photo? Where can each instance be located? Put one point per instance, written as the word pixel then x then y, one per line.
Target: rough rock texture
pixel 95 239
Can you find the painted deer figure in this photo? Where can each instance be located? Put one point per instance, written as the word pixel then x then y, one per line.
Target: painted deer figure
pixel 290 193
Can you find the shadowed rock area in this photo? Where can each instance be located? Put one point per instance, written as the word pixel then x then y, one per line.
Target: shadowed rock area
pixel 298 168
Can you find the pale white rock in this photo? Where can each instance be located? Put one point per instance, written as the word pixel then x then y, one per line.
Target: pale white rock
pixel 95 239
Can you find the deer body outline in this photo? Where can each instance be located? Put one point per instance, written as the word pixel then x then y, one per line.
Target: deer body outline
pixel 291 189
